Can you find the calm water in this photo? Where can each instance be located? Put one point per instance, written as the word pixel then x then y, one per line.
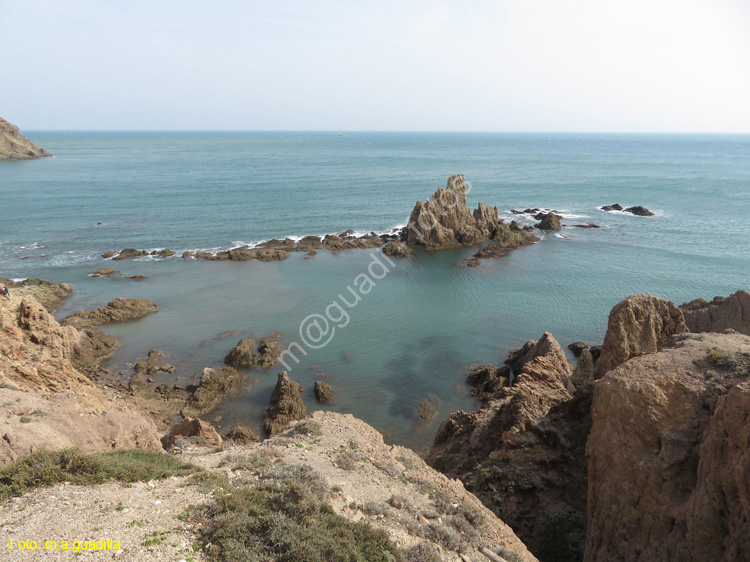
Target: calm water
pixel 430 315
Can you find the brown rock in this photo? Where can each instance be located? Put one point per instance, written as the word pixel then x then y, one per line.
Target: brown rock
pixel 397 249
pixel 323 392
pixel 637 325
pixel 549 221
pixel 242 354
pixel 286 405
pixel 214 387
pixel 615 207
pixel 14 146
pixel 487 381
pixel 194 429
pixel 669 455
pixel 104 272
pixel 109 254
pixel 577 347
pixel 117 310
pixel 719 315
pixel 583 375
pixel 242 435
pixel 130 253
pixel 639 211
pixel 48 294
pixel 150 365
pixel 505 239
pixel 426 412
pixel 268 352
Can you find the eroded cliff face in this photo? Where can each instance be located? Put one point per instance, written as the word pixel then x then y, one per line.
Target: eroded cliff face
pixel 45 399
pixel 15 146
pixel 669 455
pixel 719 315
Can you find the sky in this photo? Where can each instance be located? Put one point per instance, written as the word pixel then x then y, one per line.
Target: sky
pixel 406 65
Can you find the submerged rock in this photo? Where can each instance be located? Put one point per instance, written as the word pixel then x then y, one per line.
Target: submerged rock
pixel 117 310
pixel 285 406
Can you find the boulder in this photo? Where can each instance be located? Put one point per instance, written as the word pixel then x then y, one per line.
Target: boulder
pixel 577 347
pixel 15 146
pixel 117 310
pixel 549 221
pixel 323 392
pixel 615 207
pixel 104 272
pixel 637 325
pixel 242 435
pixel 583 374
pixel 719 315
pixel 150 365
pixel 242 354
pixel 285 406
pixel 639 211
pixel 397 249
pixel 130 253
pixel 194 430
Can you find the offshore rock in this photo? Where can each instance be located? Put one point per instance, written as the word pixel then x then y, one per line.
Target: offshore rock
pixel 397 249
pixel 117 310
pixel 285 406
pixel 505 239
pixel 242 354
pixel 549 221
pixel 268 352
pixel 639 211
pixel 637 325
pixel 14 146
pixel 323 392
pixel 719 315
pixel 214 387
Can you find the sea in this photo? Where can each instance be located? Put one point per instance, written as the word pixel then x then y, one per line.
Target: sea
pixel 423 321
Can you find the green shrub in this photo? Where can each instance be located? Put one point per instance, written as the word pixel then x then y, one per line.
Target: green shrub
pixel 559 537
pixel 46 468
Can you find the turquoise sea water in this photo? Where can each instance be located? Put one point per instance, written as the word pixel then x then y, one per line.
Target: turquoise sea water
pixel 429 316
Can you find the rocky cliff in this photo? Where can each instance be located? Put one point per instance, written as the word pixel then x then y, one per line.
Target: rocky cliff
pixel 15 146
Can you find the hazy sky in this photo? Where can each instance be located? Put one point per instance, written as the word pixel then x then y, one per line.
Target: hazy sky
pixel 504 65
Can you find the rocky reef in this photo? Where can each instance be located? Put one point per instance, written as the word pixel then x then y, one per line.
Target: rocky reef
pixel 14 146
pixel 116 310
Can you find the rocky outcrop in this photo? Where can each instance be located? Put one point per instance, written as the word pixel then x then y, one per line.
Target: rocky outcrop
pixel 286 405
pixel 48 294
pixel 131 253
pixel 637 325
pixel 669 455
pixel 549 221
pixel 47 401
pixel 583 375
pixel 397 249
pixel 116 310
pixel 268 352
pixel 445 220
pixel 719 315
pixel 323 392
pixel 523 452
pixel 192 430
pixel 215 385
pixel 639 211
pixel 14 146
pixel 507 238
pixel 614 207
pixel 242 354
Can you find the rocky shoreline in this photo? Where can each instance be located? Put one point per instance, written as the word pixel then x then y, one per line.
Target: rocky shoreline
pixel 15 146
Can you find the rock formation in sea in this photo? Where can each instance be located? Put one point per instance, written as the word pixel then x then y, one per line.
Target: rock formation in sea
pixel 242 354
pixel 397 249
pixel 116 310
pixel 638 210
pixel 14 146
pixel 549 221
pixel 720 315
pixel 286 405
pixel 323 392
pixel 445 220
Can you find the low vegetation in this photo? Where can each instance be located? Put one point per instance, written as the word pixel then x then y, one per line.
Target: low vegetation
pixel 46 468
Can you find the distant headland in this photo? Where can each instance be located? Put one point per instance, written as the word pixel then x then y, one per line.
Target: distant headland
pixel 15 146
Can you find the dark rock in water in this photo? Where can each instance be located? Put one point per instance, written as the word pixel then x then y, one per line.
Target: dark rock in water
pixel 323 392
pixel 150 365
pixel 486 381
pixel 473 262
pixel 550 221
pixel 719 315
pixel 348 357
pixel 506 238
pixel 397 249
pixel 242 435
pixel 286 405
pixel 165 253
pixel 640 211
pixel 138 277
pixel 116 310
pixel 109 254
pixel 615 207
pixel 426 412
pixel 590 225
pixel 214 387
pixel 167 368
pixel 242 354
pixel 268 351
pixel 104 272
pixel 577 347
pixel 129 253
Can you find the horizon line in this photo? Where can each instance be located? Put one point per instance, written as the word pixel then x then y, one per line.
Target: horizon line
pixel 386 131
